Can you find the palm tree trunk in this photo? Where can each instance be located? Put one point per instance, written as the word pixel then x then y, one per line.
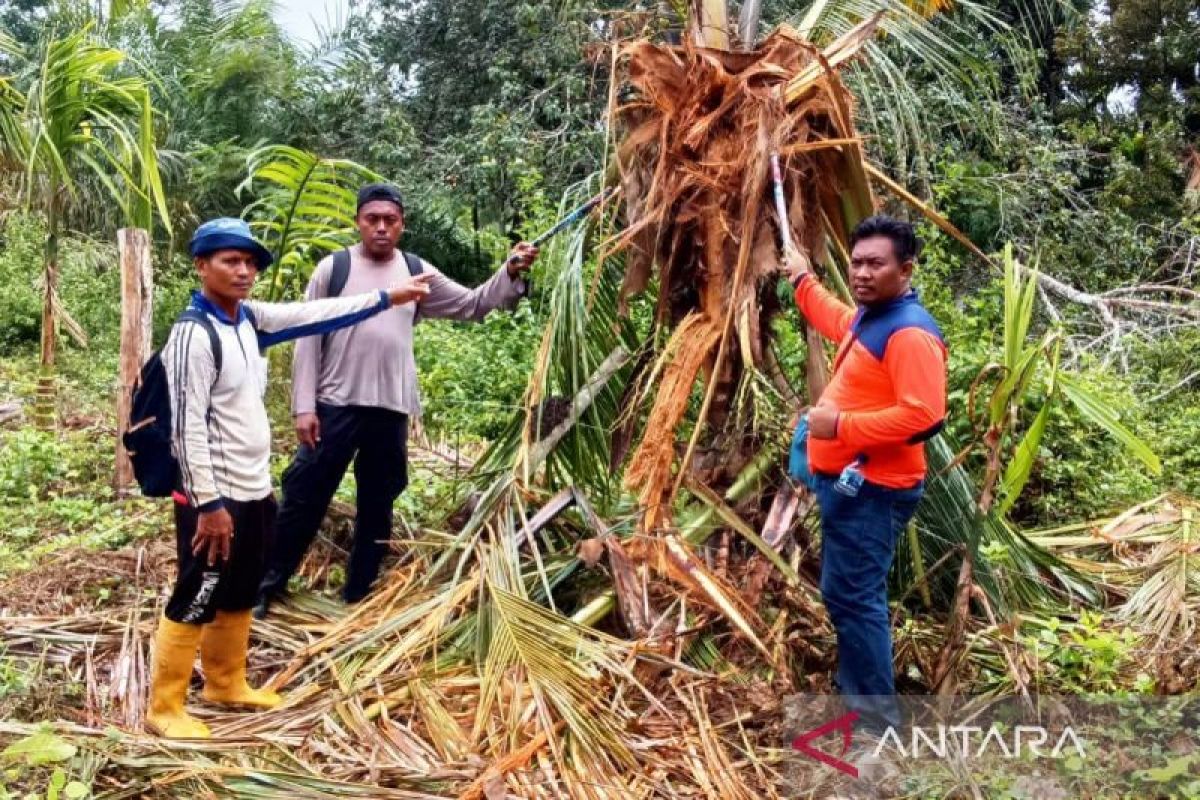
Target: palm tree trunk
pixel 748 20
pixel 45 412
pixel 710 23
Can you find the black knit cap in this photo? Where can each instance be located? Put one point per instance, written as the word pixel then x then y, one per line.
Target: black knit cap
pixel 379 191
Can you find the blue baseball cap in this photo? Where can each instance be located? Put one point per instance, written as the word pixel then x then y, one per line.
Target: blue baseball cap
pixel 228 233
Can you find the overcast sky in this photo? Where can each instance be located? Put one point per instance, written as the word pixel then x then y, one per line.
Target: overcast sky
pixel 302 18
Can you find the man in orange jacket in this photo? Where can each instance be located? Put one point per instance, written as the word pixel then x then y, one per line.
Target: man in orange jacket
pixel 866 447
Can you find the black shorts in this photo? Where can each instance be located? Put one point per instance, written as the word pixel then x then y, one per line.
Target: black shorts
pixel 200 590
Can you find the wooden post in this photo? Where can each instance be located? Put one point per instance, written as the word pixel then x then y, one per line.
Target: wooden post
pixel 710 23
pixel 137 294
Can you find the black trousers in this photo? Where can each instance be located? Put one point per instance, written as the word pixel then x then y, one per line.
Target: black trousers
pixel 200 590
pixel 376 440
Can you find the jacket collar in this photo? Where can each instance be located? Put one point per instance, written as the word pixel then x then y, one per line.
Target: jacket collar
pixel 878 310
pixel 202 303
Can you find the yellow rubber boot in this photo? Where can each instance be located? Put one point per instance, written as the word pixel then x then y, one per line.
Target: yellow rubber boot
pixel 223 648
pixel 174 655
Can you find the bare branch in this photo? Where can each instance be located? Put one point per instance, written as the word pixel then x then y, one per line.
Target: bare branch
pixel 1175 387
pixel 1137 310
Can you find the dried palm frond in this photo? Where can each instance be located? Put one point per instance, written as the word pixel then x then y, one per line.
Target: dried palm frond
pixel 694 170
pixel 1156 548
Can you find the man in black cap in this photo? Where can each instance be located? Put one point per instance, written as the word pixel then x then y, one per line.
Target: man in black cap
pixel 354 391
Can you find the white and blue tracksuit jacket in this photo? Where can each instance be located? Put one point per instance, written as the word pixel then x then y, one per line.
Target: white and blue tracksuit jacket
pixel 221 436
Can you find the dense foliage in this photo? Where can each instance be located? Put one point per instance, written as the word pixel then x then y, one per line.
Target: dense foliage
pixel 1072 141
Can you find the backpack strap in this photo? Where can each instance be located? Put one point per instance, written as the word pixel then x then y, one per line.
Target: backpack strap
pixel 337 282
pixel 340 273
pixel 214 340
pixel 341 270
pixel 415 265
pixel 250 315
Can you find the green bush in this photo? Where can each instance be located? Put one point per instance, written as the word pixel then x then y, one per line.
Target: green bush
pixel 1082 472
pixel 173 285
pixel 21 248
pixel 36 464
pixel 30 460
pixel 1084 656
pixel 473 377
pixel 89 284
pixel 1177 434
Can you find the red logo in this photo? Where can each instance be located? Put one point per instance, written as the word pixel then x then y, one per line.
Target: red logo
pixel 845 724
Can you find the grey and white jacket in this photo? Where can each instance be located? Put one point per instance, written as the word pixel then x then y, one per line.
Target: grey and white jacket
pixel 221 435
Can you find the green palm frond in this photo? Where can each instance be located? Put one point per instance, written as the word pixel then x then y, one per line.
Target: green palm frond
pixel 1010 568
pixel 1095 410
pixel 12 103
pixel 928 51
pixel 305 209
pixel 561 663
pixel 228 20
pixel 1019 293
pixel 81 116
pixel 13 143
pixel 119 9
pixel 583 329
pixel 1022 362
pixel 1020 465
pixel 84 120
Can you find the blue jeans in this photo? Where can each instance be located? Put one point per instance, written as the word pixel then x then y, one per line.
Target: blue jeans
pixel 858 543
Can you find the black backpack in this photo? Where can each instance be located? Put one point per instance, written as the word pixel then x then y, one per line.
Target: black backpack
pixel 148 438
pixel 341 273
pixel 341 270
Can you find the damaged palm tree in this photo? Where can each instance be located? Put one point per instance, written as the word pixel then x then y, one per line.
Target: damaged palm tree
pixel 695 175
pixel 698 138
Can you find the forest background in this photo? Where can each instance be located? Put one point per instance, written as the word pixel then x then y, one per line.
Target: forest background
pixel 1077 148
pixel 1069 131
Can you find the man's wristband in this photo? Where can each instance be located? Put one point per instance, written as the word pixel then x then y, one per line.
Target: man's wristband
pixel 211 505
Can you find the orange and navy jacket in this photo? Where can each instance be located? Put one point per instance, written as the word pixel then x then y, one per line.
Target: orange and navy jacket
pixel 889 384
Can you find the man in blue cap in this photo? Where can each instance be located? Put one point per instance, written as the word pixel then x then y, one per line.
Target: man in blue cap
pixel 354 391
pixel 221 439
